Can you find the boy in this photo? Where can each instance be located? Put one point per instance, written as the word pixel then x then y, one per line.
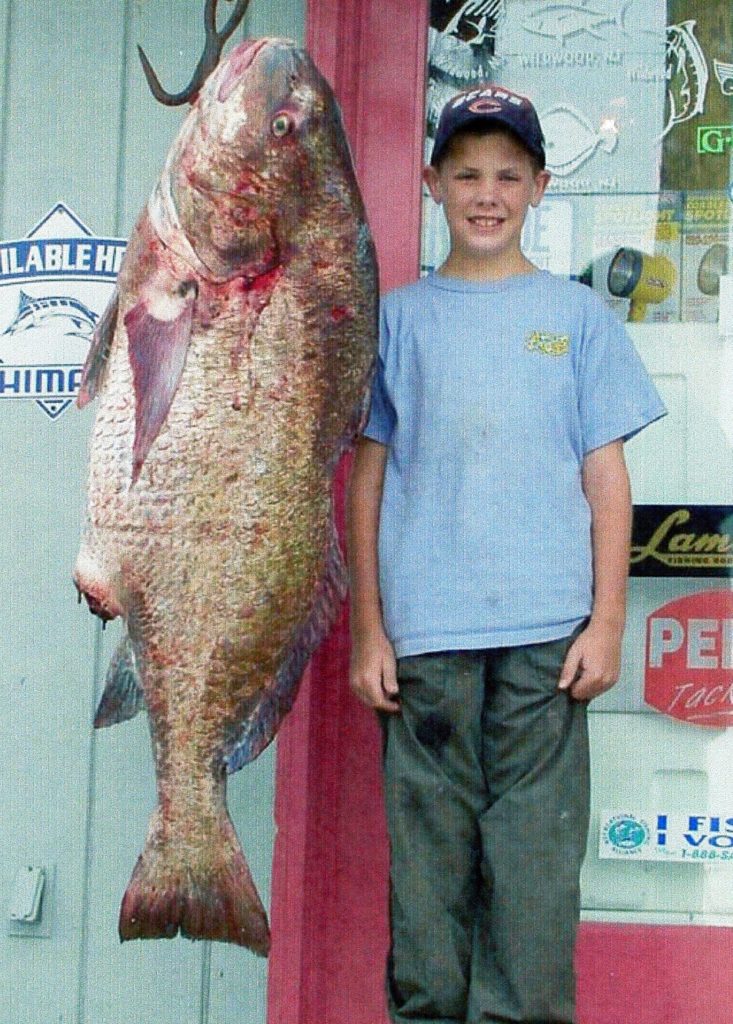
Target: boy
pixel 489 522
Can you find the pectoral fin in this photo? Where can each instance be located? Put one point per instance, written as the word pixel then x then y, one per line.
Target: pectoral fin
pixel 158 332
pixel 123 695
pixel 98 354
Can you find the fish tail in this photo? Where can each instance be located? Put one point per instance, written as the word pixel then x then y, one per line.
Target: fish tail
pixel 621 19
pixel 204 894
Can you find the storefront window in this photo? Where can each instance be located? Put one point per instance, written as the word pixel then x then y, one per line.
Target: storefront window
pixel 636 102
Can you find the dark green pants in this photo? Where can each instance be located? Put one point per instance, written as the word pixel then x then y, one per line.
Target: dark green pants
pixel 487 794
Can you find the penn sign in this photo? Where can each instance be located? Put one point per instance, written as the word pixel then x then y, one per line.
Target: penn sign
pixel 689 659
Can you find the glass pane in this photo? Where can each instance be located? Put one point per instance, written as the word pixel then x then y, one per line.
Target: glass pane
pixel 636 103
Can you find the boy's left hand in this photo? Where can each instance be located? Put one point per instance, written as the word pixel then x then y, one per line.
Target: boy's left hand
pixel 593 663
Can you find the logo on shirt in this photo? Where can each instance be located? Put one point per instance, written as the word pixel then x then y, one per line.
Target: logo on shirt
pixel 548 344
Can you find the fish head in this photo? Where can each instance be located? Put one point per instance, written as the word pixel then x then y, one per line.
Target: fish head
pixel 263 141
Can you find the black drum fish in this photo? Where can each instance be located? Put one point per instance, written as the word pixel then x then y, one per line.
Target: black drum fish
pixel 231 371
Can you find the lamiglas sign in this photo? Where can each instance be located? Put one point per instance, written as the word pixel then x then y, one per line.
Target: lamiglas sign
pixel 682 540
pixel 688 670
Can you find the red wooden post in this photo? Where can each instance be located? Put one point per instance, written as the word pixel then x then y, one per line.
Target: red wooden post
pixel 329 916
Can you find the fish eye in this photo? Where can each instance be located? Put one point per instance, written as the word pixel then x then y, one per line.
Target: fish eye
pixel 281 124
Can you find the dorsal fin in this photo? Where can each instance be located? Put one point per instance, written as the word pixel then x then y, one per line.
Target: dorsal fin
pixel 99 350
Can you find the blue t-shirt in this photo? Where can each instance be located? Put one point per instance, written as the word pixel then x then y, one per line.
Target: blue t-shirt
pixel 489 395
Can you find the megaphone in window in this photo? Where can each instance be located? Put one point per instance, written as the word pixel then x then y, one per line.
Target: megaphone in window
pixel 643 279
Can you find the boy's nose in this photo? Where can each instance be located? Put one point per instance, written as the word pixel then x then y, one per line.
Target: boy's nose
pixel 486 191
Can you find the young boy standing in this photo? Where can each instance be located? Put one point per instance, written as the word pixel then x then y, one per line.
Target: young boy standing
pixel 489 524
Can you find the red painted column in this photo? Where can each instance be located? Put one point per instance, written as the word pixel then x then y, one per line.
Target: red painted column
pixel 329 914
pixel 654 974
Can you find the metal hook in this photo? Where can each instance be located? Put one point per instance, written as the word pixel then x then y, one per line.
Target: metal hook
pixel 209 58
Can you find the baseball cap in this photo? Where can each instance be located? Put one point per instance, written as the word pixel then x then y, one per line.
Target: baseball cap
pixel 490 103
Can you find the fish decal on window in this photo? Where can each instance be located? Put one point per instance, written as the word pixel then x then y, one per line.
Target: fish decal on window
pixel 724 74
pixel 571 139
pixel 561 21
pixel 687 75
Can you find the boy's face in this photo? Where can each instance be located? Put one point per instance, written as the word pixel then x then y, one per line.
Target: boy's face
pixel 486 183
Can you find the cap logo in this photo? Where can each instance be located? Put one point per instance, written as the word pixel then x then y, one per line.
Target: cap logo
pixel 486 93
pixel 485 106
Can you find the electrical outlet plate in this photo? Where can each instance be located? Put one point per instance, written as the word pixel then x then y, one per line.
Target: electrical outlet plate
pixel 25 904
pixel 33 902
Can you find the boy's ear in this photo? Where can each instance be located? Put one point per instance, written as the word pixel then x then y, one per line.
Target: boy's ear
pixel 432 179
pixel 541 181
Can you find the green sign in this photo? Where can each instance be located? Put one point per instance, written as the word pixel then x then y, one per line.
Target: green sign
pixel 714 138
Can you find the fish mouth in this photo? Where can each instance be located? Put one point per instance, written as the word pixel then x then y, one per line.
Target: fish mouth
pixel 240 59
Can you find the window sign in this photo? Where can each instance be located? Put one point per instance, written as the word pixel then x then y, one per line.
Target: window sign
pixel 690 838
pixel 597 75
pixel 693 541
pixel 54 285
pixel 689 659
pixel 636 103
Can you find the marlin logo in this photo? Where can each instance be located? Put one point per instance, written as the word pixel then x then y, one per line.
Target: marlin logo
pixel 560 21
pixel 35 312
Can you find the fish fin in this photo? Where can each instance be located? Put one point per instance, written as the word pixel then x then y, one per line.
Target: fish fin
pixel 621 17
pixel 123 695
pixel 213 898
pixel 98 354
pixel 157 350
pixel 259 729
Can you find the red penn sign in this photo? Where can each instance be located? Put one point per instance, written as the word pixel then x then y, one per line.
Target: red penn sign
pixel 689 659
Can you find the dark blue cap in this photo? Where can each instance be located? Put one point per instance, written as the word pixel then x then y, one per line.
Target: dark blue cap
pixel 490 103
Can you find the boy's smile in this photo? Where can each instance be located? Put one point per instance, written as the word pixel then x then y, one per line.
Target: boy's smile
pixel 486 183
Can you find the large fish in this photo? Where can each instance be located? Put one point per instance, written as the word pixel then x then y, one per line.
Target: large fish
pixel 230 372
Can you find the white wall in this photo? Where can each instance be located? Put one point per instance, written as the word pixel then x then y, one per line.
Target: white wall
pixel 642 759
pixel 77 124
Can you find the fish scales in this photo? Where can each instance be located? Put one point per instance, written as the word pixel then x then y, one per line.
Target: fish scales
pixel 230 379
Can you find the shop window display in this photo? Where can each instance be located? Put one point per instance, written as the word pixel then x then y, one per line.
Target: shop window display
pixel 636 102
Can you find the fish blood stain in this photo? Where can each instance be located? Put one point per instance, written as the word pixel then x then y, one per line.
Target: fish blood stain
pixel 434 731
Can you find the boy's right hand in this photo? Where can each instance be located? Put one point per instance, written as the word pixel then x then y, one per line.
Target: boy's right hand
pixel 373 672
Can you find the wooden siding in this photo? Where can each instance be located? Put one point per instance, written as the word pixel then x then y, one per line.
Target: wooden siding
pixel 78 125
